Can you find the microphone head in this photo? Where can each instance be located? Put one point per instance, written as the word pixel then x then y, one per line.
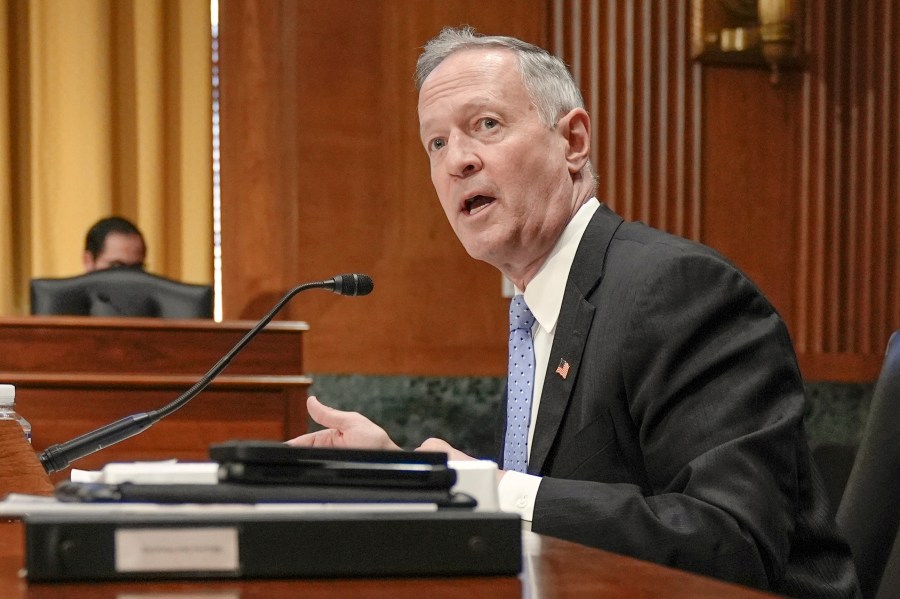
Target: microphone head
pixel 353 284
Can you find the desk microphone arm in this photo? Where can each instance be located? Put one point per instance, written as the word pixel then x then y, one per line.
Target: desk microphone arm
pixel 59 456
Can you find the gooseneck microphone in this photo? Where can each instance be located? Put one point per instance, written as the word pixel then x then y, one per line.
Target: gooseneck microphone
pixel 59 456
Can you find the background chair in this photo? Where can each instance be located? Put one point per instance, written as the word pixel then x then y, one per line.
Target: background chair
pixel 121 292
pixel 869 511
pixel 890 580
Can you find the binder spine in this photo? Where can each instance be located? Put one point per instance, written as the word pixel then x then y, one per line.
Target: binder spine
pixel 123 547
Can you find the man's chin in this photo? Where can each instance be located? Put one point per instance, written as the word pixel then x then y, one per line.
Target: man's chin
pixel 484 253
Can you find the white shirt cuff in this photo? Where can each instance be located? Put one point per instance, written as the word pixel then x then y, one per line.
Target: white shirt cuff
pixel 517 492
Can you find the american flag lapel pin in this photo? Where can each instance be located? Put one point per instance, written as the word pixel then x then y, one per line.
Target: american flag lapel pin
pixel 563 368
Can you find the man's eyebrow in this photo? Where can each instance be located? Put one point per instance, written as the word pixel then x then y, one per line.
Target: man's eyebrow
pixel 470 105
pixel 476 103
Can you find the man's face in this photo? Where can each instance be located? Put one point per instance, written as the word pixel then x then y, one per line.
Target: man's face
pixel 500 173
pixel 119 249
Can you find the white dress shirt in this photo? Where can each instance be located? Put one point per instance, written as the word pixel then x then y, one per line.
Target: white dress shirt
pixel 544 296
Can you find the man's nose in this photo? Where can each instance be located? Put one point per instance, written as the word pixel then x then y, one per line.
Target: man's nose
pixel 463 159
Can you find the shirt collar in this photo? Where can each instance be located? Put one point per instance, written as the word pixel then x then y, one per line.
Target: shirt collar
pixel 544 294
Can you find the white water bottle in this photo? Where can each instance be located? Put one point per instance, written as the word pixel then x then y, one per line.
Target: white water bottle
pixel 8 409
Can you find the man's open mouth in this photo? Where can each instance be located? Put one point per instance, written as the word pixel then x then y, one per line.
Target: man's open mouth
pixel 475 204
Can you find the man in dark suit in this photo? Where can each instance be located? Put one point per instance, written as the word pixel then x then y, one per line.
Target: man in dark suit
pixel 663 407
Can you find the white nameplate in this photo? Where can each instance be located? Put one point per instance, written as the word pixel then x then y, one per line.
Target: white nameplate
pixel 204 549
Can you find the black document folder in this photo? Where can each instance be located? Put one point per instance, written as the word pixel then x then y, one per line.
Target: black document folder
pixel 73 492
pixel 71 547
pixel 270 462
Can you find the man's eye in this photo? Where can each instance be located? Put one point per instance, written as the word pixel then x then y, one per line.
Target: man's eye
pixel 489 123
pixel 437 144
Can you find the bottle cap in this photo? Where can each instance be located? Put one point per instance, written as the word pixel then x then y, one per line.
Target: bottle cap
pixel 7 395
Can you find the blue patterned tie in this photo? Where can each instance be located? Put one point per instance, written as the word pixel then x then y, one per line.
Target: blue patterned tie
pixel 519 385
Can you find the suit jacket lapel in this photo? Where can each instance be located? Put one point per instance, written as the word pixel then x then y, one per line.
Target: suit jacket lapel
pixel 575 317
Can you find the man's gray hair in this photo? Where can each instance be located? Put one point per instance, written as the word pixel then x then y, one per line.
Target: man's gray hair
pixel 546 78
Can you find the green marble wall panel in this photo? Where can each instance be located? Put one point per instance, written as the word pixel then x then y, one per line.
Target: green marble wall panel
pixel 460 410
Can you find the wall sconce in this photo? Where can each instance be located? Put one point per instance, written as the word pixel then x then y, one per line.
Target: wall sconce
pixel 777 32
pixel 754 33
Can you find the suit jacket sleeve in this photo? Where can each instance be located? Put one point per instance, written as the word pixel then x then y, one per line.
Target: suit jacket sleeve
pixel 689 393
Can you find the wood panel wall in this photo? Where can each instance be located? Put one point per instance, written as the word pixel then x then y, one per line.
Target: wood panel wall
pixel 801 185
pixel 631 60
pixel 847 292
pixel 322 171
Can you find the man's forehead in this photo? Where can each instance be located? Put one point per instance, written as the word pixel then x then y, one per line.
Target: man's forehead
pixel 471 61
pixel 118 240
pixel 472 77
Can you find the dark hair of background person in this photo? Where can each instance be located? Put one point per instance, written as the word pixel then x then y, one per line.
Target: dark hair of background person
pixel 97 234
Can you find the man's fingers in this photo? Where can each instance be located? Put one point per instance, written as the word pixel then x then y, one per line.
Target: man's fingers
pixel 325 415
pixel 323 438
pixel 433 444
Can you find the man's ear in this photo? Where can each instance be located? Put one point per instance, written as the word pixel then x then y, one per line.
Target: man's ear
pixel 88 260
pixel 575 127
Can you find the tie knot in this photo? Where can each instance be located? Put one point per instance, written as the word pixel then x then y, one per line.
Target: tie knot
pixel 520 316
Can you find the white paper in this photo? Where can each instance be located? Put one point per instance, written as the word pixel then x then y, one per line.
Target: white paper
pixel 17 505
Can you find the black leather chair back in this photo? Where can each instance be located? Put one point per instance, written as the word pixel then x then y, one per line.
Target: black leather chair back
pixel 121 292
pixel 869 512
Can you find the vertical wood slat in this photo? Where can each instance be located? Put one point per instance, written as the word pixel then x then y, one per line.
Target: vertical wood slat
pixel 851 200
pixel 808 302
pixel 631 61
pixel 862 177
pixel 847 288
pixel 890 152
pixel 886 176
pixel 834 144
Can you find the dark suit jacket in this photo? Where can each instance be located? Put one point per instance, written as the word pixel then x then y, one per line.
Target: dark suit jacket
pixel 677 435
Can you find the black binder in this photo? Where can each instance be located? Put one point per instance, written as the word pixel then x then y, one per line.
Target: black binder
pixel 110 546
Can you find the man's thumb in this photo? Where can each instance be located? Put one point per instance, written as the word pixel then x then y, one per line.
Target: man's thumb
pixel 322 414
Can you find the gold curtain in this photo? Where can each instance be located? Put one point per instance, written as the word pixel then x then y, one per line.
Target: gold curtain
pixel 105 108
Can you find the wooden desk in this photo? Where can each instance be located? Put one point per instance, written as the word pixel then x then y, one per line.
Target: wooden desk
pixel 74 374
pixel 77 344
pixel 552 568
